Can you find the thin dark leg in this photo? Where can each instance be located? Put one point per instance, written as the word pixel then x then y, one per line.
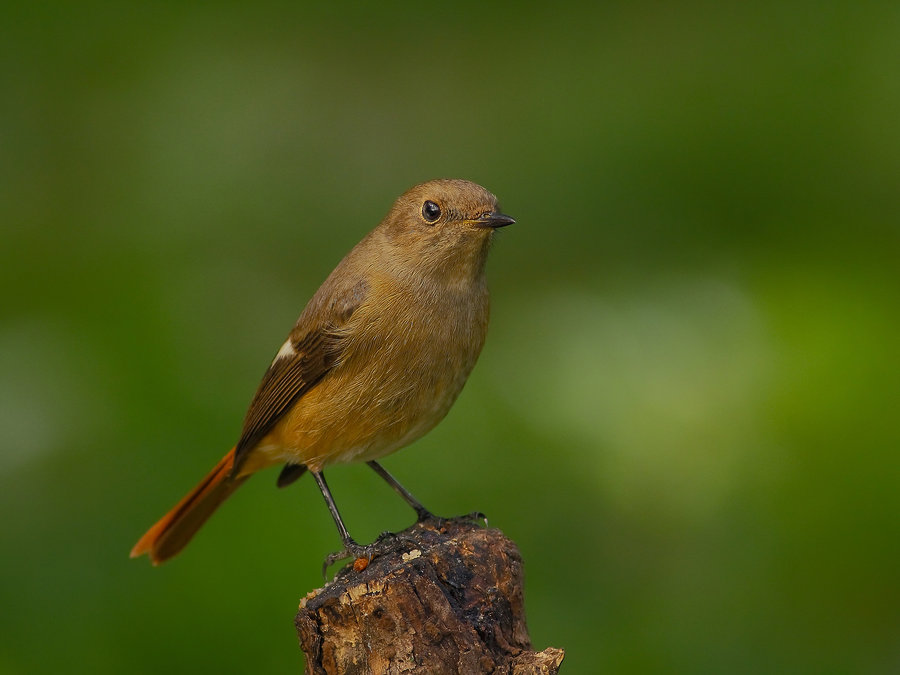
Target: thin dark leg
pixel 346 539
pixel 421 511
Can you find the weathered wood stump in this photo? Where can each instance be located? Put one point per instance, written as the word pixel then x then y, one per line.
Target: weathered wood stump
pixel 445 598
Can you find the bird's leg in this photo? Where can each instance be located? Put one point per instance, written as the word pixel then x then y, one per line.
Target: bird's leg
pixel 346 539
pixel 422 513
pixel 351 548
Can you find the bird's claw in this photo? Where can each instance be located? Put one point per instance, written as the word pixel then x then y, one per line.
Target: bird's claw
pixel 474 516
pixel 388 540
pixel 385 542
pixel 350 550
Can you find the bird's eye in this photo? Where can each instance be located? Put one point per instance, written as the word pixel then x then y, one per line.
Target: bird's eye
pixel 431 211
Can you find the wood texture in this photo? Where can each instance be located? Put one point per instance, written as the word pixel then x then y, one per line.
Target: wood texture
pixel 446 597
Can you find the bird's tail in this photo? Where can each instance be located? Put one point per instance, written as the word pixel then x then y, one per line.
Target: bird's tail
pixel 174 530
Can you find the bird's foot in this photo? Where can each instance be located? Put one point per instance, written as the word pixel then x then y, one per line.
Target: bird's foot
pixel 440 521
pixel 389 541
pixel 362 555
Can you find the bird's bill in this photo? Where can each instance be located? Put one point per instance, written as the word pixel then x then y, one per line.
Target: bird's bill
pixel 493 220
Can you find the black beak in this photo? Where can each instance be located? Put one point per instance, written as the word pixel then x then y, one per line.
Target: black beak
pixel 494 220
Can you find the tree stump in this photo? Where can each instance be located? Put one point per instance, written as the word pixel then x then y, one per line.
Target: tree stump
pixel 446 597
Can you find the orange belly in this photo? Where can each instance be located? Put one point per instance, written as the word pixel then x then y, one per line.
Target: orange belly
pixel 348 418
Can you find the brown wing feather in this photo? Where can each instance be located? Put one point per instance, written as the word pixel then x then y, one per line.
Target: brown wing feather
pixel 289 474
pixel 315 353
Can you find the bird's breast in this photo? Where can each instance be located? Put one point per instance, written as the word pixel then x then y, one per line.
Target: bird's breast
pixel 405 358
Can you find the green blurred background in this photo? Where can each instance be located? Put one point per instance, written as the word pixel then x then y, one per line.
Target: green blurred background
pixel 686 413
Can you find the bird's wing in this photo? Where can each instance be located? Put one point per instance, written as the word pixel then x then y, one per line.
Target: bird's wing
pixel 308 355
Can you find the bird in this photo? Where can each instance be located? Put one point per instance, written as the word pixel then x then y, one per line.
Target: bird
pixel 377 358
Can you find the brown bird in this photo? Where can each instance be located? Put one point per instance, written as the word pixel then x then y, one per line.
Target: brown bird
pixel 375 360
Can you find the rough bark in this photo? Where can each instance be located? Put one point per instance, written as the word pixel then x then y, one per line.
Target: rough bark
pixel 445 598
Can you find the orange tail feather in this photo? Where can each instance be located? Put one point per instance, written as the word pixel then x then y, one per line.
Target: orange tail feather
pixel 174 530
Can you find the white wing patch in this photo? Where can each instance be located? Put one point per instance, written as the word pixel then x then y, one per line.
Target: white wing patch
pixel 286 351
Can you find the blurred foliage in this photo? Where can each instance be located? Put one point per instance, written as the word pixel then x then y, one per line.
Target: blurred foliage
pixel 686 413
